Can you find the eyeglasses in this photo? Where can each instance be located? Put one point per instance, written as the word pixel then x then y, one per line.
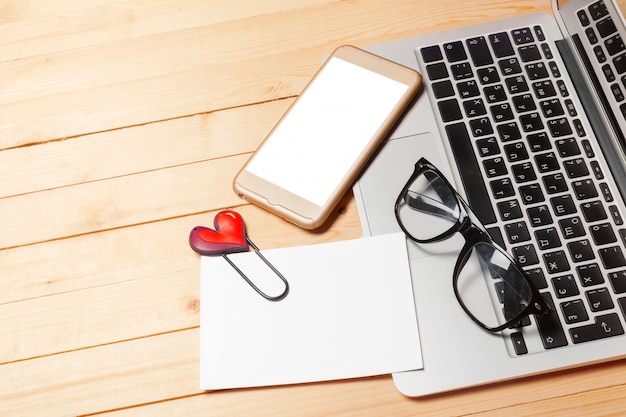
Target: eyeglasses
pixel 429 210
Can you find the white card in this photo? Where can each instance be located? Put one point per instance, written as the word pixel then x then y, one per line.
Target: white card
pixel 349 313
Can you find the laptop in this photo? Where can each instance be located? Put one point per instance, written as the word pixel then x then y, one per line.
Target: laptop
pixel 526 119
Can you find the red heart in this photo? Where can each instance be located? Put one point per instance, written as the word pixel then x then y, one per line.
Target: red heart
pixel 229 235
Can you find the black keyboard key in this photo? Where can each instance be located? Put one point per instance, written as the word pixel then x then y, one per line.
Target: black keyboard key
pixel 599 299
pixel 606 192
pixel 509 131
pixel 524 103
pixel 547 162
pixel 616 216
pixel 494 167
pixel 550 329
pixel 572 227
pixel 501 44
pixel 517 232
pixel 606 27
pixel 620 63
pixel 556 262
pixel 523 172
pixel 584 189
pixel 552 108
pixel 531 122
pixel 583 18
pixel 519 345
pixel 590 275
pixel 531 194
pixel 581 250
pixel 574 311
pixel 567 147
pixel 468 89
pixel 516 152
pixel 609 75
pixel 603 233
pixel 539 216
pixel 449 110
pixel 469 169
pixel 575 168
pixel 474 107
pixel 599 53
pixel 479 51
pixel 605 326
pixel 613 257
pixel 502 188
pixel 437 71
pixel 555 183
pixel 618 281
pixel 461 71
pixel 614 44
pixel 537 71
pixel 488 146
pixel 510 66
pixel 431 53
pixel 501 112
pixel 455 51
pixel 536 276
pixel 480 127
pixel 563 205
pixel 598 10
pixel 526 255
pixel 539 142
pixel 495 93
pixel 591 36
pixel 488 75
pixel 565 286
pixel 443 89
pixel 544 89
pixel 522 36
pixel 529 53
pixel 509 210
pixel 597 170
pixel 516 84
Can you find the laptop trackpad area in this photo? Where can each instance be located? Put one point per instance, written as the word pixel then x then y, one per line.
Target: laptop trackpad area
pixel 379 186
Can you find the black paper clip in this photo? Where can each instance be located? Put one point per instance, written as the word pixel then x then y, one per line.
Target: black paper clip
pixel 229 236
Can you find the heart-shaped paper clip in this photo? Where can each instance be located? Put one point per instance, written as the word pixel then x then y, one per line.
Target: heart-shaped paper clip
pixel 229 236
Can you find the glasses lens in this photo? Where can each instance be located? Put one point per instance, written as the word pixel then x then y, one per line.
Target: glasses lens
pixel 429 207
pixel 492 288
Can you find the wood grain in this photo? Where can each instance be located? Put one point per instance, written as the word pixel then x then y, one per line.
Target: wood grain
pixel 122 124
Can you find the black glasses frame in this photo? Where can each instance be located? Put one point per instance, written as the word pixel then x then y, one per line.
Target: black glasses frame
pixel 474 232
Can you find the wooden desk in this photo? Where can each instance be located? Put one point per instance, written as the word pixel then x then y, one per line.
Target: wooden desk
pixel 122 124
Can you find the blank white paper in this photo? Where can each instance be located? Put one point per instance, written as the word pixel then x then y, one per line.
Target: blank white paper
pixel 349 313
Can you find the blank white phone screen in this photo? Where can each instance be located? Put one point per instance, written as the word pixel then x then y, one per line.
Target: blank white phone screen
pixel 313 148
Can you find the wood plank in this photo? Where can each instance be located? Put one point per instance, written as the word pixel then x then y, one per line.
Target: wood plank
pixel 137 149
pixel 32 27
pixel 152 374
pixel 119 202
pixel 133 82
pixel 119 285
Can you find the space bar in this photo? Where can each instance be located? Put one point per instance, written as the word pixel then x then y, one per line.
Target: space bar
pixel 472 179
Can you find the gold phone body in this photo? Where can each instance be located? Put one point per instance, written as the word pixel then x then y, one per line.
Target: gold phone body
pixel 317 149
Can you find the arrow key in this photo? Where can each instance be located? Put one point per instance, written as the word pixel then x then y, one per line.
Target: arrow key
pixel 605 326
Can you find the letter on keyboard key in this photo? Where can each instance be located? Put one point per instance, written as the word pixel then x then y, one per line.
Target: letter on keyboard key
pixel 605 326
pixel 550 329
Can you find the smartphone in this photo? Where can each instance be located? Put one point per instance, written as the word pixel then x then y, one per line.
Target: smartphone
pixel 315 152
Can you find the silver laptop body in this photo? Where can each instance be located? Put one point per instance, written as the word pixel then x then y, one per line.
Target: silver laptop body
pixel 583 104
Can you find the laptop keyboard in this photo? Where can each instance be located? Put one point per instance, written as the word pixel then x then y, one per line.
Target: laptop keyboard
pixel 535 176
